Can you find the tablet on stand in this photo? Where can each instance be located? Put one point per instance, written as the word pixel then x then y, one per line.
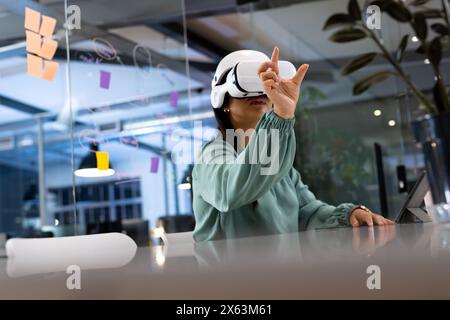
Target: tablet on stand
pixel 413 209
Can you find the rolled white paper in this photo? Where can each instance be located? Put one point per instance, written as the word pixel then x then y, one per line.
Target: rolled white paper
pixel 46 255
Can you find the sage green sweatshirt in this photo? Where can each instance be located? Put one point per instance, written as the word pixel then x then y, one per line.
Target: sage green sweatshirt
pixel 233 198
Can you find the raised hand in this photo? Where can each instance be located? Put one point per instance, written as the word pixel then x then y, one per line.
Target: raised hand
pixel 284 93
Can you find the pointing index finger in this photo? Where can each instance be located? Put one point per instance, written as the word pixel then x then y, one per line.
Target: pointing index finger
pixel 274 59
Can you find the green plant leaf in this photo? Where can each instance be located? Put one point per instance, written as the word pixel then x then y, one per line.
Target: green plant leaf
pixel 337 20
pixel 418 2
pixel 382 4
pixel 435 51
pixel 402 47
pixel 420 26
pixel 353 9
pixel 440 29
pixel 399 12
pixel 440 96
pixel 347 35
pixel 358 63
pixel 365 83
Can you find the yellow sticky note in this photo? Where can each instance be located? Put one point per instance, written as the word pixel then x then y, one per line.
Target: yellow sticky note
pixel 102 160
pixel 33 42
pixel 48 26
pixel 32 20
pixel 48 48
pixel 34 65
pixel 50 68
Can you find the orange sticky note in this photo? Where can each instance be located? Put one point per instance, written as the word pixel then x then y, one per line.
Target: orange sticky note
pixel 50 68
pixel 34 65
pixel 102 160
pixel 48 48
pixel 33 42
pixel 48 26
pixel 32 20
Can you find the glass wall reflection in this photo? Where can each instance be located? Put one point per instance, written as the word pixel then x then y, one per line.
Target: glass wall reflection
pixel 133 84
pixel 132 93
pixel 32 93
pixel 338 134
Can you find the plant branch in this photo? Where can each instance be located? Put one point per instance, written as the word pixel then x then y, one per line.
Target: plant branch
pixel 436 68
pixel 419 95
pixel 442 88
pixel 446 8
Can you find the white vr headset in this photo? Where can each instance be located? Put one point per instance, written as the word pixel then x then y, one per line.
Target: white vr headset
pixel 242 81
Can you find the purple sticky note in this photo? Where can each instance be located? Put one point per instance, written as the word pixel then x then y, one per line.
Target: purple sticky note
pixel 105 79
pixel 154 165
pixel 174 98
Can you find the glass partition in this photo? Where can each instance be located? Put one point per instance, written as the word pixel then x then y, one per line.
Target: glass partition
pixel 336 130
pixel 123 88
pixel 134 100
pixel 127 88
pixel 33 133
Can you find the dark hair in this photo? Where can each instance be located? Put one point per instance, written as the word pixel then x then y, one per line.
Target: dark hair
pixel 222 117
pixel 224 122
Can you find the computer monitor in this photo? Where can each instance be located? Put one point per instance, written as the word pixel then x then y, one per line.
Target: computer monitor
pixel 413 209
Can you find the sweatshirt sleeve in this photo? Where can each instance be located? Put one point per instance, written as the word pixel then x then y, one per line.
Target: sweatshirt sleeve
pixel 228 181
pixel 315 214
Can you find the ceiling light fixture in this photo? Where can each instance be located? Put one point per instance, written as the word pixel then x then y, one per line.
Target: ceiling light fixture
pixel 95 164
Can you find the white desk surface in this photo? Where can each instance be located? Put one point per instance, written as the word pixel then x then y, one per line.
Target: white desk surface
pixel 414 261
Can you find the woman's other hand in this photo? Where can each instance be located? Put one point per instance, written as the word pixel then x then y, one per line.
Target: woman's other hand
pixel 360 217
pixel 284 93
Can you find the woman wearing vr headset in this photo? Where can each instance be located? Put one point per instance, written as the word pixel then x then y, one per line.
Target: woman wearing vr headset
pixel 232 195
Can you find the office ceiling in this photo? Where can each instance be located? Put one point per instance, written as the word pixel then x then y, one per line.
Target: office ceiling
pixel 126 84
pixel 11 115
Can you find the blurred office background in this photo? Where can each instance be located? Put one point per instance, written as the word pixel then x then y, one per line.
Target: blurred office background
pixel 158 57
